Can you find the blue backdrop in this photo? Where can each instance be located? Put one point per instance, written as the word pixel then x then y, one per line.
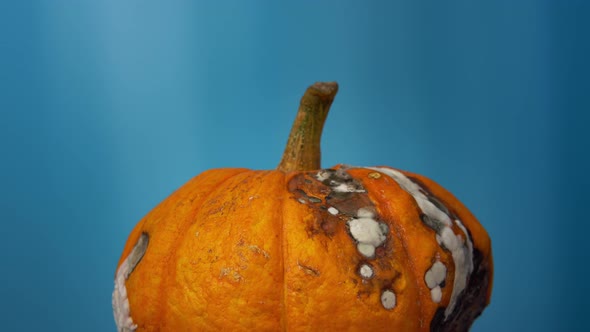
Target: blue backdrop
pixel 108 106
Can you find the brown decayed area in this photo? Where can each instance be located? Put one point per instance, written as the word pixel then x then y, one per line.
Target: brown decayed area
pixel 339 298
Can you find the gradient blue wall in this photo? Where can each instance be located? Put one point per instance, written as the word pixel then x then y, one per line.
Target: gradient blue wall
pixel 108 106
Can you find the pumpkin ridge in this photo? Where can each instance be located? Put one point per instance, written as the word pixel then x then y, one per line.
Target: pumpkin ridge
pixel 461 267
pixel 151 224
pixel 416 278
pixel 380 200
pixel 479 235
pixel 174 248
pixel 227 255
pixel 145 221
pixel 475 230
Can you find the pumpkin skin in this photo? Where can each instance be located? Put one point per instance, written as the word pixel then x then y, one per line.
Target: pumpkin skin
pixel 305 249
pixel 237 250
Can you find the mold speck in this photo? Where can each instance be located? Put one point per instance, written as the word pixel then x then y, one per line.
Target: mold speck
pixel 388 299
pixel 366 271
pixel 333 211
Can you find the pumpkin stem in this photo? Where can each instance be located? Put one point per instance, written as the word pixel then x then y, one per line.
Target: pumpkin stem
pixel 303 146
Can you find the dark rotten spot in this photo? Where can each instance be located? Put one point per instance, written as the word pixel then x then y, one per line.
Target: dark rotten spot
pixel 329 226
pixel 439 204
pixel 435 225
pixel 314 199
pixel 318 187
pixel 334 178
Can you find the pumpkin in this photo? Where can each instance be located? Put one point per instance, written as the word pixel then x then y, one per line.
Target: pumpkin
pixel 302 248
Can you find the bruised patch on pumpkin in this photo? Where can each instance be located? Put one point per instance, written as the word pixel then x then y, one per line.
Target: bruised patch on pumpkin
pixel 309 192
pixel 368 232
pixel 120 301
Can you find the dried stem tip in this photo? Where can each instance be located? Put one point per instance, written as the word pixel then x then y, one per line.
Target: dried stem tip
pixel 303 146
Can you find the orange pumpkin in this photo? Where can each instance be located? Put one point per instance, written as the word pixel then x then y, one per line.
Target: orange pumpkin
pixel 301 248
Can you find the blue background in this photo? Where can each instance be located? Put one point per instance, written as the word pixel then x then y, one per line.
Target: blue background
pixel 108 106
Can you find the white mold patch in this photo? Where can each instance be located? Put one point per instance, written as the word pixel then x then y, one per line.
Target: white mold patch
pixel 438 219
pixel 436 275
pixel 333 211
pixel 449 239
pixel 436 294
pixel 434 278
pixel 366 250
pixel 323 175
pixel 339 181
pixel 366 271
pixel 347 188
pixel 469 244
pixel 388 299
pixel 368 232
pixel 365 213
pixel 121 310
